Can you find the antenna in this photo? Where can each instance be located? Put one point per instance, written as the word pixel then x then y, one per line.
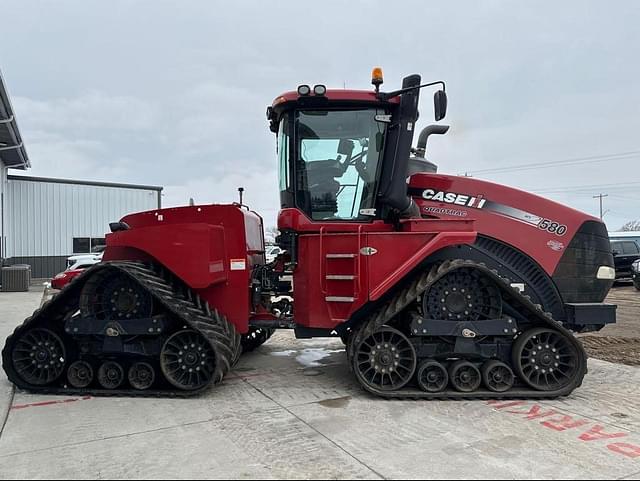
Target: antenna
pixel 240 192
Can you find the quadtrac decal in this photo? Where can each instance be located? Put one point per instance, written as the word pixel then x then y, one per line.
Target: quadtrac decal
pixel 446 211
pixel 479 202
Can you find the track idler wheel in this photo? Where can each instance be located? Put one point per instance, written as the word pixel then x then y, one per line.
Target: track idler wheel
pixel 497 376
pixel 432 376
pixel 141 376
pixel 115 296
pixel 80 374
pixel 546 360
pixel 464 376
pixel 188 361
pixel 111 375
pixel 39 357
pixel 385 361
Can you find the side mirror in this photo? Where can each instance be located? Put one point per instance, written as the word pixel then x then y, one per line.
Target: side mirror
pixel 615 252
pixel 440 104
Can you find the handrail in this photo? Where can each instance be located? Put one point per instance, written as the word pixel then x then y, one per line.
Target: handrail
pixel 323 261
pixel 358 265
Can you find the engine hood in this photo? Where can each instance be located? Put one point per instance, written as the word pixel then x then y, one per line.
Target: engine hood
pixel 537 226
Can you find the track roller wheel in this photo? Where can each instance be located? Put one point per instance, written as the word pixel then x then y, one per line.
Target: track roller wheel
pixel 111 375
pixel 432 376
pixel 464 376
pixel 80 374
pixel 385 361
pixel 546 360
pixel 497 376
pixel 188 361
pixel 39 357
pixel 141 376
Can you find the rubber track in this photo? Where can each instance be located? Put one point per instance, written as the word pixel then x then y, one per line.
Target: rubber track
pixel 255 338
pixel 171 294
pixel 420 285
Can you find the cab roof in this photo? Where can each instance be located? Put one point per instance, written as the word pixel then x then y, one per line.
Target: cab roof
pixel 338 95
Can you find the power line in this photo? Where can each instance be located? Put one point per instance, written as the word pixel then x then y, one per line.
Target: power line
pixel 557 163
pixel 583 188
pixel 637 199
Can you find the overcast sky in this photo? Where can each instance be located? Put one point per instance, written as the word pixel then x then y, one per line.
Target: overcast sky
pixel 174 93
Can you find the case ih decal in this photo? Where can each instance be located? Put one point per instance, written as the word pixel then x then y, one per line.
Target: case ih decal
pixel 454 198
pixel 479 202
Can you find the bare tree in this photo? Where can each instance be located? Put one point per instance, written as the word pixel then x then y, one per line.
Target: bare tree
pixel 632 225
pixel 270 233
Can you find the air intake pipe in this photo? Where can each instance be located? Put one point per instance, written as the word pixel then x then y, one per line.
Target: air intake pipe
pixel 438 129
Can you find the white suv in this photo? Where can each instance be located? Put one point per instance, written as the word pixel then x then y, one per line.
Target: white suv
pixel 83 259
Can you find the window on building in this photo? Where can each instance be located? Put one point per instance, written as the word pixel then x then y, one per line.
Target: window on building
pixel 98 244
pixel 81 245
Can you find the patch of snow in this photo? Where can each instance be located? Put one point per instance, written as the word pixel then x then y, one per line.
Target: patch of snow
pixel 312 357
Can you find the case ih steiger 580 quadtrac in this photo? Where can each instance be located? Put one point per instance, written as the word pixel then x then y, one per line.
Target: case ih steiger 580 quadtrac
pixel 440 286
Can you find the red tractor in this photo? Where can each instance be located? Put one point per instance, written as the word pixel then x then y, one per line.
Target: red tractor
pixel 440 286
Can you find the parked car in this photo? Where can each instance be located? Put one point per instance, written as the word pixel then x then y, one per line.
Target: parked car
pixel 76 265
pixel 61 280
pixel 271 252
pixel 625 253
pixel 628 235
pixel 635 273
pixel 74 262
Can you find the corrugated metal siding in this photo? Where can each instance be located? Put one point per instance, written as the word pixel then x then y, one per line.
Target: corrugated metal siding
pixel 42 218
pixel 3 181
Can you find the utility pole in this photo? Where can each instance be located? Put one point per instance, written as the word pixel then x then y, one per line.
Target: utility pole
pixel 601 196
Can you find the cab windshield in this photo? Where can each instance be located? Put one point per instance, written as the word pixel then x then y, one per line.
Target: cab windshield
pixel 336 155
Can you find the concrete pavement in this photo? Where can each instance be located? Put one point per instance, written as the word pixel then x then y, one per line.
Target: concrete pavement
pixel 292 410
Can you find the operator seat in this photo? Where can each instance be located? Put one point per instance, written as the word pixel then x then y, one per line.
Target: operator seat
pixel 323 188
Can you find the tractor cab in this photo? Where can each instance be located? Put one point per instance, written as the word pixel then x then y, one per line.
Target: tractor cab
pixel 344 154
pixel 330 161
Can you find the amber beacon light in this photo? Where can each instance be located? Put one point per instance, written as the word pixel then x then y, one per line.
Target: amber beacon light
pixel 376 78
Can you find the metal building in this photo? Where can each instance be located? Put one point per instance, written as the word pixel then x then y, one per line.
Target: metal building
pixel 47 220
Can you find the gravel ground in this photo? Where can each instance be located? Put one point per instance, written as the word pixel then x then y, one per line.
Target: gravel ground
pixel 620 342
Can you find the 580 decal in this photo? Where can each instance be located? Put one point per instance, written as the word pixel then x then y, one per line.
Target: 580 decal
pixel 553 227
